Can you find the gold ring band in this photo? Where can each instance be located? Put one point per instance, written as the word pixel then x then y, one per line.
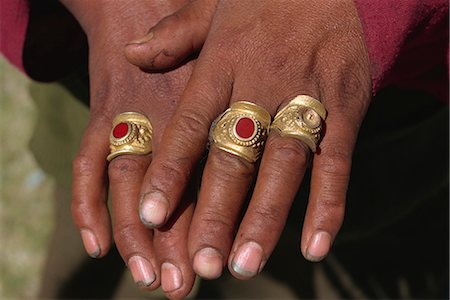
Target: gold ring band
pixel 241 130
pixel 301 119
pixel 131 134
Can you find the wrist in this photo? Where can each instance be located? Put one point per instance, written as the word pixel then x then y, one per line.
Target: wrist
pixel 124 18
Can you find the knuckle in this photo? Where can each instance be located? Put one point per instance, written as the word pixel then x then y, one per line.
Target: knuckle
pixel 332 206
pixel 334 165
pixel 102 113
pixel 192 123
pixel 171 239
pixel 268 216
pixel 120 169
pixel 124 231
pixel 79 209
pixel 217 222
pixel 350 88
pixel 217 228
pixel 229 168
pixel 351 82
pixel 346 78
pixel 171 84
pixel 335 161
pixel 83 165
pixel 285 158
pixel 329 213
pixel 288 150
pixel 101 117
pixel 278 61
pixel 176 172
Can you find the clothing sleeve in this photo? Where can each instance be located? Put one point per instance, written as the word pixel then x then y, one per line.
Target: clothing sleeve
pixel 13 25
pixel 407 43
pixel 41 38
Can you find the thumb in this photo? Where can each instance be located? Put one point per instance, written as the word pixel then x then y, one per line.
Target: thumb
pixel 173 39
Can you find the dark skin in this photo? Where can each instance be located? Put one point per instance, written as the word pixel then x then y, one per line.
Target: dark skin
pixel 155 257
pixel 266 52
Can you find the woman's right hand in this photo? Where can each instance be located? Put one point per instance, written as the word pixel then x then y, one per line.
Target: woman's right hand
pixel 268 53
pixel 154 256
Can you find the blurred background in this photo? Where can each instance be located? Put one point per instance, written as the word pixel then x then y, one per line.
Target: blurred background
pixel 42 256
pixel 26 191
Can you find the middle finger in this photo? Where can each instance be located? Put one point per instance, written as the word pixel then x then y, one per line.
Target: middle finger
pixel 237 138
pixel 226 181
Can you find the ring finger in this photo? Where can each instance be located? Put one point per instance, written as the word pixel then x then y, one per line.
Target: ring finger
pixel 131 135
pixel 125 174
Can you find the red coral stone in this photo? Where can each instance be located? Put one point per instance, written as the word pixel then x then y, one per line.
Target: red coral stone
pixel 245 128
pixel 120 130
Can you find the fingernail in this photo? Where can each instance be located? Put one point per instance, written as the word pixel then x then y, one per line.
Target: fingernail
pixel 247 260
pixel 208 263
pixel 171 278
pixel 153 211
pixel 142 271
pixel 318 247
pixel 142 40
pixel 90 243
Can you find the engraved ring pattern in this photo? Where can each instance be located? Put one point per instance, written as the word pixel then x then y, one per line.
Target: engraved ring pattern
pixel 131 134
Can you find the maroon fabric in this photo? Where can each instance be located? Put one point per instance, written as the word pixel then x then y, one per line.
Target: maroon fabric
pixel 13 26
pixel 407 42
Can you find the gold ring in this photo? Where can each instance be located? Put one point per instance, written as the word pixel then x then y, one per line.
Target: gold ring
pixel 301 119
pixel 131 134
pixel 241 130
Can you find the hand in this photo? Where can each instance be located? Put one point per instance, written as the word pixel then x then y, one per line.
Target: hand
pixel 266 52
pixel 116 86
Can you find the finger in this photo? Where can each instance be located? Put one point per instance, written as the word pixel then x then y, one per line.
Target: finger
pixel 184 142
pixel 226 180
pixel 225 184
pixel 177 275
pixel 174 38
pixel 280 174
pixel 329 181
pixel 134 241
pixel 89 195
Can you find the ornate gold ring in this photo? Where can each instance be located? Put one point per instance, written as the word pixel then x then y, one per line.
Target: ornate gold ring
pixel 131 134
pixel 241 130
pixel 301 119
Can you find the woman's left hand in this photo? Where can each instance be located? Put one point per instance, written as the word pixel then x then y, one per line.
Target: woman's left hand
pixel 154 257
pixel 266 52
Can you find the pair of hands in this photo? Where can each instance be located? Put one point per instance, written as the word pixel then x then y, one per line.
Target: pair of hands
pixel 259 51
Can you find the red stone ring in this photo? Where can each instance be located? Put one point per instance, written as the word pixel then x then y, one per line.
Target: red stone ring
pixel 131 134
pixel 241 130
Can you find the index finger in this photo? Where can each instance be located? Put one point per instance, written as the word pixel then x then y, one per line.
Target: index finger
pixel 184 141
